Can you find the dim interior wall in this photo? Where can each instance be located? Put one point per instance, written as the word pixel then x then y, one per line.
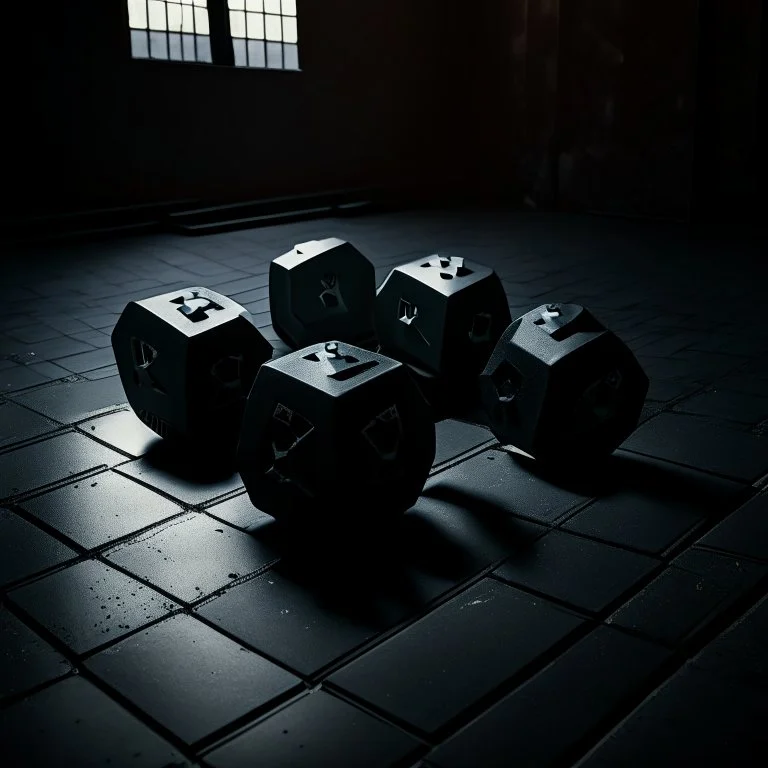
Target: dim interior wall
pixel 380 102
pixel 730 119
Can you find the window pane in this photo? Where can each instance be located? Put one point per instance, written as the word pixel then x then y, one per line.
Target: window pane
pixel 158 45
pixel 174 17
pixel 137 14
pixel 274 55
pixel 203 48
pixel 237 23
pixel 256 55
pixel 241 59
pixel 201 3
pixel 187 19
pixel 289 7
pixel 289 29
pixel 272 6
pixel 236 5
pixel 255 23
pixel 201 21
pixel 273 28
pixel 291 56
pixel 188 47
pixel 254 5
pixel 156 15
pixel 139 44
pixel 174 44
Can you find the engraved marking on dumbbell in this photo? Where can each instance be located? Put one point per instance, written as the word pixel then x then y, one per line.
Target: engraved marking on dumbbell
pixel 155 423
pixel 195 307
pixel 299 427
pixel 481 328
pixel 144 355
pixel 407 313
pixel 387 427
pixel 449 266
pixel 331 297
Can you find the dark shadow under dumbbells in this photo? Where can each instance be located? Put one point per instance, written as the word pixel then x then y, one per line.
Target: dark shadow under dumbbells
pixel 623 473
pixel 193 465
pixel 376 576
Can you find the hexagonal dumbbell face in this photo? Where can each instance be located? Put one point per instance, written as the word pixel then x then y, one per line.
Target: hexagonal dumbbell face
pixel 187 360
pixel 335 432
pixel 561 387
pixel 322 289
pixel 441 314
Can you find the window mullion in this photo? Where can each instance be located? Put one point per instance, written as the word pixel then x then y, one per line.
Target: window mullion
pixel 222 51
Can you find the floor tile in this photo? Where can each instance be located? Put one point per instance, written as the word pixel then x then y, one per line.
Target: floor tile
pixel 87 361
pixel 727 404
pixel 695 719
pixel 20 377
pixel 240 512
pixel 17 423
pixel 29 334
pixel 55 458
pixel 163 469
pixel 578 571
pixel 51 370
pixel 190 678
pixel 89 604
pixel 456 437
pixel 744 532
pixel 430 672
pixel 26 550
pixel 316 730
pixel 192 556
pixel 664 390
pixel 94 338
pixel 493 478
pixel 740 652
pixel 100 508
pixel 652 504
pixel 100 373
pixel 122 430
pixel 26 661
pixel 72 401
pixel 702 444
pixel 74 723
pixel 696 588
pixel 313 608
pixel 558 707
pixel 58 347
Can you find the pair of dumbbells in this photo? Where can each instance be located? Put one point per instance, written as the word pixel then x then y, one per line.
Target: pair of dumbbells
pixel 340 430
pixel 555 383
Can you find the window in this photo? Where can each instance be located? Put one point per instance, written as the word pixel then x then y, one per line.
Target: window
pixel 170 29
pixel 262 33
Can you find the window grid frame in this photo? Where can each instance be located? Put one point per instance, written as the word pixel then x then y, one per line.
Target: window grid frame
pixel 208 57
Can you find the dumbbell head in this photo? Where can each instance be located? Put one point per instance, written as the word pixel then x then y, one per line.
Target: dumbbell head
pixel 187 360
pixel 442 315
pixel 322 289
pixel 561 387
pixel 336 432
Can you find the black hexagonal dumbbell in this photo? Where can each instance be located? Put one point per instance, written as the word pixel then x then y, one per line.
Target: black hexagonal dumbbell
pixel 322 289
pixel 335 433
pixel 187 360
pixel 442 316
pixel 561 387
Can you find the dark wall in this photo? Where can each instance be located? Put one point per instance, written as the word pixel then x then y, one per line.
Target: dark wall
pixel 630 106
pixel 731 129
pixel 376 104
